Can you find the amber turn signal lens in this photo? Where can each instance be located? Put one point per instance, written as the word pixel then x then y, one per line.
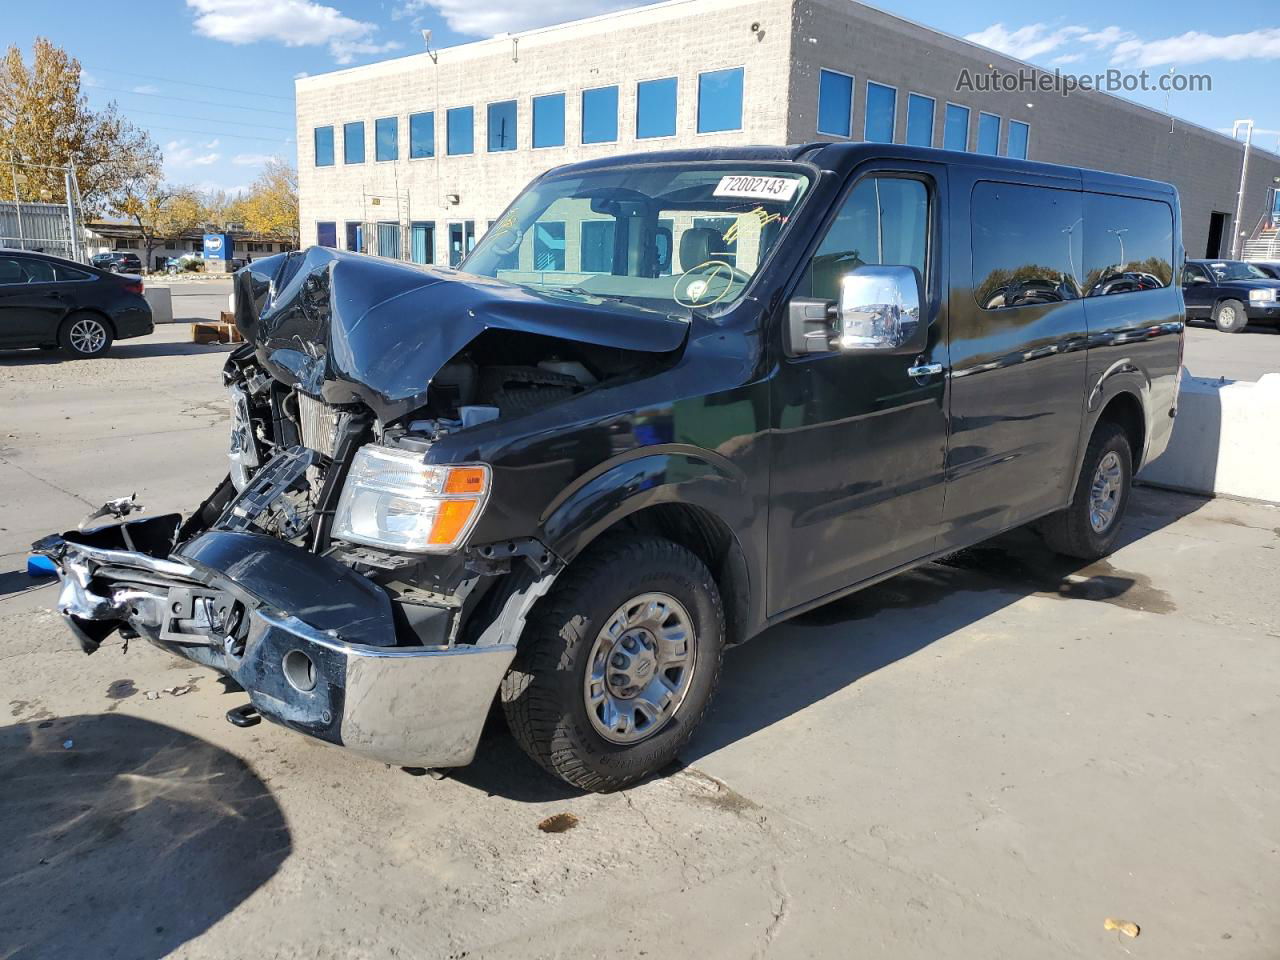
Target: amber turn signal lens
pixel 465 480
pixel 451 520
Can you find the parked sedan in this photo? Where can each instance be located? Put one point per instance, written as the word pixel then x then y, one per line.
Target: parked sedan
pixel 49 302
pixel 117 261
pixel 1230 293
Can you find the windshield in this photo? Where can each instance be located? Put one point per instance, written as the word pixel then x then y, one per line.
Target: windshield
pixel 669 237
pixel 1236 270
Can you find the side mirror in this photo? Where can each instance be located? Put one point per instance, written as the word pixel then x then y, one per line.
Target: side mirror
pixel 879 311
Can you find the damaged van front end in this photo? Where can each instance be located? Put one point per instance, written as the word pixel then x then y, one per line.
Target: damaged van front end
pixel 351 572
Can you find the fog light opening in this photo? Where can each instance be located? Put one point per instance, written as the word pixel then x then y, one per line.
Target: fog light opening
pixel 299 670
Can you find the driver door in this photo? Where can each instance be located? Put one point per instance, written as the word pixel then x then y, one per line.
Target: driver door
pixel 1197 291
pixel 859 442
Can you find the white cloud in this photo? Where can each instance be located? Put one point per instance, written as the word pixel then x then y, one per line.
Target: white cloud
pixel 300 74
pixel 180 153
pixel 211 144
pixel 1067 58
pixel 146 88
pixel 295 23
pixel 500 16
pixel 251 159
pixel 1024 43
pixel 1106 37
pixel 1196 47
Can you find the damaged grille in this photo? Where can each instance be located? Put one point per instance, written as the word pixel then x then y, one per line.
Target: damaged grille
pixel 318 424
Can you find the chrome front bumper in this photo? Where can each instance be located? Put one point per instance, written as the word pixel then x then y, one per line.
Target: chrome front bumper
pixel 407 705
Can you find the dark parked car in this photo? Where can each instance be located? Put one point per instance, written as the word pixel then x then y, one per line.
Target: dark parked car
pixel 1230 293
pixel 117 261
pixel 572 471
pixel 50 302
pixel 1270 267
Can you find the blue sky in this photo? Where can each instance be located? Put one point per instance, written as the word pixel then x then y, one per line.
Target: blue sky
pixel 213 79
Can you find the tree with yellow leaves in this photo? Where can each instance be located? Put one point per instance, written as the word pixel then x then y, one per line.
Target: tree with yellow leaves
pixel 271 205
pixel 46 122
pixel 162 211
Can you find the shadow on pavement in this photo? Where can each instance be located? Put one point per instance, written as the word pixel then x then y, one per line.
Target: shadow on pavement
pixel 802 661
pixel 129 842
pixel 123 350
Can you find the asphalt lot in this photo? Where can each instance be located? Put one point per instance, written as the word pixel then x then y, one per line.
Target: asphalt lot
pixel 986 757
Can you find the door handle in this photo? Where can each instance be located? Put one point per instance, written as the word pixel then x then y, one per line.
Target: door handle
pixel 924 370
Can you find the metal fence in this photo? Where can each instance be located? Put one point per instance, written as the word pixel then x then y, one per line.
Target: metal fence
pixel 43 227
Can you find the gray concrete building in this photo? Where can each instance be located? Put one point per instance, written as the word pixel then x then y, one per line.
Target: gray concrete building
pixel 415 157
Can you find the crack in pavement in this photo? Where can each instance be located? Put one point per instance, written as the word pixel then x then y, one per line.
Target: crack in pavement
pixel 19 467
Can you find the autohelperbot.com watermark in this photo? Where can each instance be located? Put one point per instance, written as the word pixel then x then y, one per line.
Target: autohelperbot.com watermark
pixel 1030 80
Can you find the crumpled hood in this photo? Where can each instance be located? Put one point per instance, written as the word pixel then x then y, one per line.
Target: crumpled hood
pixel 346 326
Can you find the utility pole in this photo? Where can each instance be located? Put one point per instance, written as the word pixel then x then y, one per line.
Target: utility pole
pixel 1237 246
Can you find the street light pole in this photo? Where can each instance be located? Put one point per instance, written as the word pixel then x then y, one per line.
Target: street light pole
pixel 1244 172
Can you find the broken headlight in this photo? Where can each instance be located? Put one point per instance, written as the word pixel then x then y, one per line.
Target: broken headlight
pixel 392 499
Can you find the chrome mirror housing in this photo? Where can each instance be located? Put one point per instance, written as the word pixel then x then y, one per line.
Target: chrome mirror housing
pixel 879 309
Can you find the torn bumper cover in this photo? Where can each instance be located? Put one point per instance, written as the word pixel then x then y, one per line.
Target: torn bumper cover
pixel 310 641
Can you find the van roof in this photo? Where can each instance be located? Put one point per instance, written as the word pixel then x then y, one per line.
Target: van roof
pixel 841 157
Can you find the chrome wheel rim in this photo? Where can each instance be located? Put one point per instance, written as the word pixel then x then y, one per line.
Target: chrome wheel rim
pixel 1105 491
pixel 1227 316
pixel 87 336
pixel 640 668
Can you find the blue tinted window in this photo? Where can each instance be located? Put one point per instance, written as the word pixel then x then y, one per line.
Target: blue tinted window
pixel 600 115
pixel 548 120
pixel 656 108
pixel 422 135
pixel 920 120
pixel 1019 133
pixel 720 100
pixel 502 126
pixel 459 131
pixel 955 131
pixel 386 138
pixel 988 133
pixel 353 142
pixel 324 146
pixel 326 233
pixel 882 102
pixel 597 246
pixel 835 104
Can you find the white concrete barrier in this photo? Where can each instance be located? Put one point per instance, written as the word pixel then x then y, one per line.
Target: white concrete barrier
pixel 1226 440
pixel 161 303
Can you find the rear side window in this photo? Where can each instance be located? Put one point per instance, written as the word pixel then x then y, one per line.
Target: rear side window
pixel 1026 245
pixel 38 271
pixel 66 274
pixel 1128 245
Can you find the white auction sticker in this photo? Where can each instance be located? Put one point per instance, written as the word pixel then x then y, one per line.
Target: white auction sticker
pixel 757 188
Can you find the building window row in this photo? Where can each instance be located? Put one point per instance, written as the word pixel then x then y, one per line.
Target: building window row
pixel 835 118
pixel 719 109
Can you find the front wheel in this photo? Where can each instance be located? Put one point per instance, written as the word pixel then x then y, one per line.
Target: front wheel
pixel 1088 528
pixel 1229 316
pixel 617 664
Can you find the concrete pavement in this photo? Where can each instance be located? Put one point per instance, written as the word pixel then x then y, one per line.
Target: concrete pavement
pixel 986 757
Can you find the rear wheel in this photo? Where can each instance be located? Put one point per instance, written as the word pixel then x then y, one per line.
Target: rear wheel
pixel 618 663
pixel 1088 528
pixel 84 335
pixel 1229 316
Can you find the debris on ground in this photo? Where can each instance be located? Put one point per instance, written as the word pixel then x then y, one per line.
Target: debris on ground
pixel 1128 928
pixel 68 744
pixel 153 694
pixel 558 823
pixel 178 690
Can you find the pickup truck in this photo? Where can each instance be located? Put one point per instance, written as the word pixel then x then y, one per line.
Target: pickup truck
pixel 1230 293
pixel 668 401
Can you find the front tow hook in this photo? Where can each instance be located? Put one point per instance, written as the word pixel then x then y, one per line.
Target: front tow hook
pixel 244 716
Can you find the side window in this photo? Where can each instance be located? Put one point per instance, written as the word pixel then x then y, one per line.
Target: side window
pixel 1193 272
pixel 1128 245
pixel 11 271
pixel 67 274
pixel 1026 245
pixel 884 220
pixel 38 271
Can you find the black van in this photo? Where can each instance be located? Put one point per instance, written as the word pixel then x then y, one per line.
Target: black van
pixel 669 400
